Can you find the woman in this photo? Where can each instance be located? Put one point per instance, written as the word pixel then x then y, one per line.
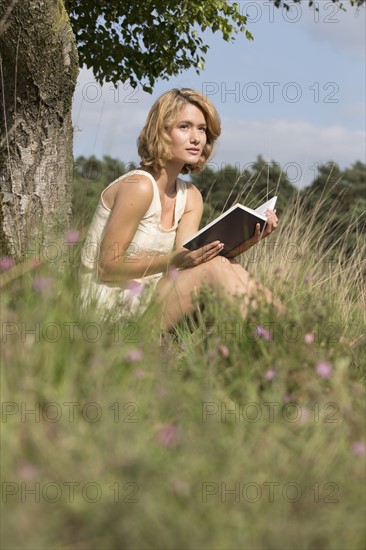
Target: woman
pixel 133 250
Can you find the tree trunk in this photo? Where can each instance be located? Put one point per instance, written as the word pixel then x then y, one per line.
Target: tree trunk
pixel 38 72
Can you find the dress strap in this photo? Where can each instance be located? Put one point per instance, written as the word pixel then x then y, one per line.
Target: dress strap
pixel 181 199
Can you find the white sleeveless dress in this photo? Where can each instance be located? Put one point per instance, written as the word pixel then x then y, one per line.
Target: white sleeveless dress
pixel 130 297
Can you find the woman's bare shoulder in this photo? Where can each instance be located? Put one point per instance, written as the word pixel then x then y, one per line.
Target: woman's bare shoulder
pixel 194 196
pixel 131 187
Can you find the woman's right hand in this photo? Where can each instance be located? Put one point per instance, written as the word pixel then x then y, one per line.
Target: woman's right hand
pixel 184 258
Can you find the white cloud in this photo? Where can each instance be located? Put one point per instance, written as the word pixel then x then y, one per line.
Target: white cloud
pixel 296 143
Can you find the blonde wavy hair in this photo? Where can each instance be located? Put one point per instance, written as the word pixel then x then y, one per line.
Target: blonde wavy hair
pixel 154 140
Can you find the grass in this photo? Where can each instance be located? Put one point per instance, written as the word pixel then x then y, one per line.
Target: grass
pixel 229 434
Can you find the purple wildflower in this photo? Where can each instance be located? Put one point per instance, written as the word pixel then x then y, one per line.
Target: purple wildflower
pixel 324 369
pixel 270 374
pixel 134 356
pixel 224 351
pixel 72 236
pixel 261 331
pixel 168 435
pixel 6 263
pixel 309 338
pixel 359 448
pixel 135 288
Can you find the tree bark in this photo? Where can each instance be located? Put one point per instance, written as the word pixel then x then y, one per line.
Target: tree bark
pixel 38 72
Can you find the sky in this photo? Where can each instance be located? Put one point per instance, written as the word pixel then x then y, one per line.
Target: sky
pixel 295 95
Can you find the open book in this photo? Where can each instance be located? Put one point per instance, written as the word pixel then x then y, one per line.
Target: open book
pixel 232 228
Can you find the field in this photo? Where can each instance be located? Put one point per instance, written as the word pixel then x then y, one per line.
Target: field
pixel 230 433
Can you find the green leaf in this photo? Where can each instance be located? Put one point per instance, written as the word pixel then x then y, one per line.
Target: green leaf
pixel 153 38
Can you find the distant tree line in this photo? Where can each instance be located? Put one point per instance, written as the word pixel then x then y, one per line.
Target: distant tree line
pixel 335 190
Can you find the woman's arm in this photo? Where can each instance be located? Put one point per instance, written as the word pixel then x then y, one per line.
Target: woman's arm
pixel 130 205
pixel 190 221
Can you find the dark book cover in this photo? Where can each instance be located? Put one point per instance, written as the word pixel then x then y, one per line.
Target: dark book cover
pixel 233 227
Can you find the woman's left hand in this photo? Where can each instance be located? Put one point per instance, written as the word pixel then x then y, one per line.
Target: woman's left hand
pixel 271 225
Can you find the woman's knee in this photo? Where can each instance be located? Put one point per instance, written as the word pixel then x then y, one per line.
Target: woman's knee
pixel 219 268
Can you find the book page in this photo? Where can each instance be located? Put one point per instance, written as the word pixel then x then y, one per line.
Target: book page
pixel 269 204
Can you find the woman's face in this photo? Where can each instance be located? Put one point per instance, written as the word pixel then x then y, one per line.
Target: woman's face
pixel 188 135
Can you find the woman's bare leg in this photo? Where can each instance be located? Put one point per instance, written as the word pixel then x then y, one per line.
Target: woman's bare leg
pixel 257 289
pixel 225 276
